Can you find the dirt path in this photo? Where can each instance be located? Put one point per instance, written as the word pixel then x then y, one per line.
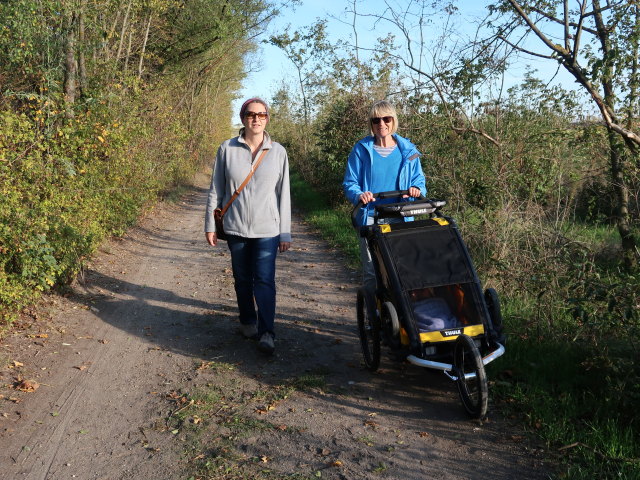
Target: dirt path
pixel 152 322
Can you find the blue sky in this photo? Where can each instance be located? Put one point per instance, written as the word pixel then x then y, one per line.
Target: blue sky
pixel 275 67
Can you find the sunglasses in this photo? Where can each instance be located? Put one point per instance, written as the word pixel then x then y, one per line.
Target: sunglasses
pixel 254 115
pixel 376 120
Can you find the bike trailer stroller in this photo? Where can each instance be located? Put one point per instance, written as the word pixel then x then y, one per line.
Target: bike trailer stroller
pixel 428 307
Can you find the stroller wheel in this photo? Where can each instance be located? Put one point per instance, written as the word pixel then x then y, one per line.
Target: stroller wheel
pixel 471 377
pixel 369 329
pixel 390 324
pixel 492 300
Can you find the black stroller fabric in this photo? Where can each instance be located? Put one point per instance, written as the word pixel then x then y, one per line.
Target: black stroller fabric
pixel 429 257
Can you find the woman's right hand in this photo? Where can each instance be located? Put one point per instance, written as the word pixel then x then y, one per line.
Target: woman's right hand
pixel 212 238
pixel 366 197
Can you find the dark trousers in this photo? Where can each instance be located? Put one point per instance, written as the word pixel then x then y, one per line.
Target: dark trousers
pixel 253 261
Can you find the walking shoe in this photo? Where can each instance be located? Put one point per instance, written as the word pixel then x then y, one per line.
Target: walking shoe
pixel 266 344
pixel 249 330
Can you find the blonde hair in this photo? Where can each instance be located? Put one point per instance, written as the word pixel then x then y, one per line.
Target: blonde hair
pixel 382 108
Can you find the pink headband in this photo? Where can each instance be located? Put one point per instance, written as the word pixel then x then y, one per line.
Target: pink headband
pixel 252 100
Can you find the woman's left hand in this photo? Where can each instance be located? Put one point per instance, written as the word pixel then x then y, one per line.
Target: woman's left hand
pixel 284 246
pixel 414 192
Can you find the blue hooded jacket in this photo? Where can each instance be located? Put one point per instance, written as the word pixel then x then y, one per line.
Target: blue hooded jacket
pixel 358 175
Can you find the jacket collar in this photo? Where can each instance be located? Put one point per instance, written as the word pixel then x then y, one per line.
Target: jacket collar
pixel 266 143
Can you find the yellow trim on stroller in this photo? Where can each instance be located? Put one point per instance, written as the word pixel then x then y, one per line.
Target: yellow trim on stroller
pixel 444 335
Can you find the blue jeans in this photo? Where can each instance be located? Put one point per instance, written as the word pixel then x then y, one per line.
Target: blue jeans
pixel 253 261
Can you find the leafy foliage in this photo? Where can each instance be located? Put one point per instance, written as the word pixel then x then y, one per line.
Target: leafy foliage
pixel 104 109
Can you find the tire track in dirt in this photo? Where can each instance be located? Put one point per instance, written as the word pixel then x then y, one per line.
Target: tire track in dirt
pixel 154 305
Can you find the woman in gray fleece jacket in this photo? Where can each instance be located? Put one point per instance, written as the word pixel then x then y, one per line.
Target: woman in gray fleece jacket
pixel 258 222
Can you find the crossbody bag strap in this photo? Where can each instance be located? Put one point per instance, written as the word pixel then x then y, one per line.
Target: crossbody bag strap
pixel 254 167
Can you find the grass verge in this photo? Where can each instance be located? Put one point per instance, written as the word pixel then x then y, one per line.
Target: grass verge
pixel 333 223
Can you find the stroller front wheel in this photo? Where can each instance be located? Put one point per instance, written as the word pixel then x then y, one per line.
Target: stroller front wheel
pixel 368 329
pixel 471 377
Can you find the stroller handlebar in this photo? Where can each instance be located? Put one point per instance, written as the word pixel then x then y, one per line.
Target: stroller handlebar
pixel 420 205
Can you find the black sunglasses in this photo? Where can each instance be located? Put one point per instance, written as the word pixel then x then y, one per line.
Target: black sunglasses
pixel 376 120
pixel 259 115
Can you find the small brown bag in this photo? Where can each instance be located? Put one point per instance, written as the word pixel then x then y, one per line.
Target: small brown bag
pixel 217 217
pixel 218 213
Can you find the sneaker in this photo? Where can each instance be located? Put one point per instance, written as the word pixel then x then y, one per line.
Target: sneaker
pixel 249 330
pixel 266 344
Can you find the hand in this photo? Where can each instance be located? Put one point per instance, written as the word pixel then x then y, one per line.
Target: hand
pixel 284 246
pixel 413 192
pixel 367 197
pixel 212 238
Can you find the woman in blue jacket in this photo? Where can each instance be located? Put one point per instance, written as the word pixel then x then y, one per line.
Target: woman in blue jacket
pixel 383 161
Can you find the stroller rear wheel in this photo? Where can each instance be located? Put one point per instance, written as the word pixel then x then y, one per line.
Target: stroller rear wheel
pixel 369 329
pixel 493 305
pixel 390 324
pixel 471 377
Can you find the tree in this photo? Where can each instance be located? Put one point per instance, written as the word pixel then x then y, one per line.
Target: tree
pixel 599 47
pixel 309 50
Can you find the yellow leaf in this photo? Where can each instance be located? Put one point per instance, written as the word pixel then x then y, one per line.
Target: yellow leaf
pixel 100 138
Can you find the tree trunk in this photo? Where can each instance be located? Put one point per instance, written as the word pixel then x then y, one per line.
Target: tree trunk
pixel 70 66
pixel 123 31
pixel 618 151
pixel 82 67
pixel 144 47
pixel 617 155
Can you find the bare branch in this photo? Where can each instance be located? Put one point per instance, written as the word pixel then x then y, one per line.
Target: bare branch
pixel 557 20
pixel 579 28
pixel 567 35
pixel 546 40
pixel 524 50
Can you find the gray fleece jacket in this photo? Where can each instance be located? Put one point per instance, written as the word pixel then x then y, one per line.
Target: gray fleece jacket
pixel 263 208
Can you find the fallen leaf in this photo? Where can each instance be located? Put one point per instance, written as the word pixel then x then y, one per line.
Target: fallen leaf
pixel 264 459
pixel 282 428
pixel 371 423
pixel 337 463
pixel 26 385
pixel 423 434
pixel 15 364
pixel 81 367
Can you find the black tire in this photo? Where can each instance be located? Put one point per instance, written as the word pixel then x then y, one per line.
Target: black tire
pixel 471 377
pixel 368 329
pixel 391 324
pixel 492 300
